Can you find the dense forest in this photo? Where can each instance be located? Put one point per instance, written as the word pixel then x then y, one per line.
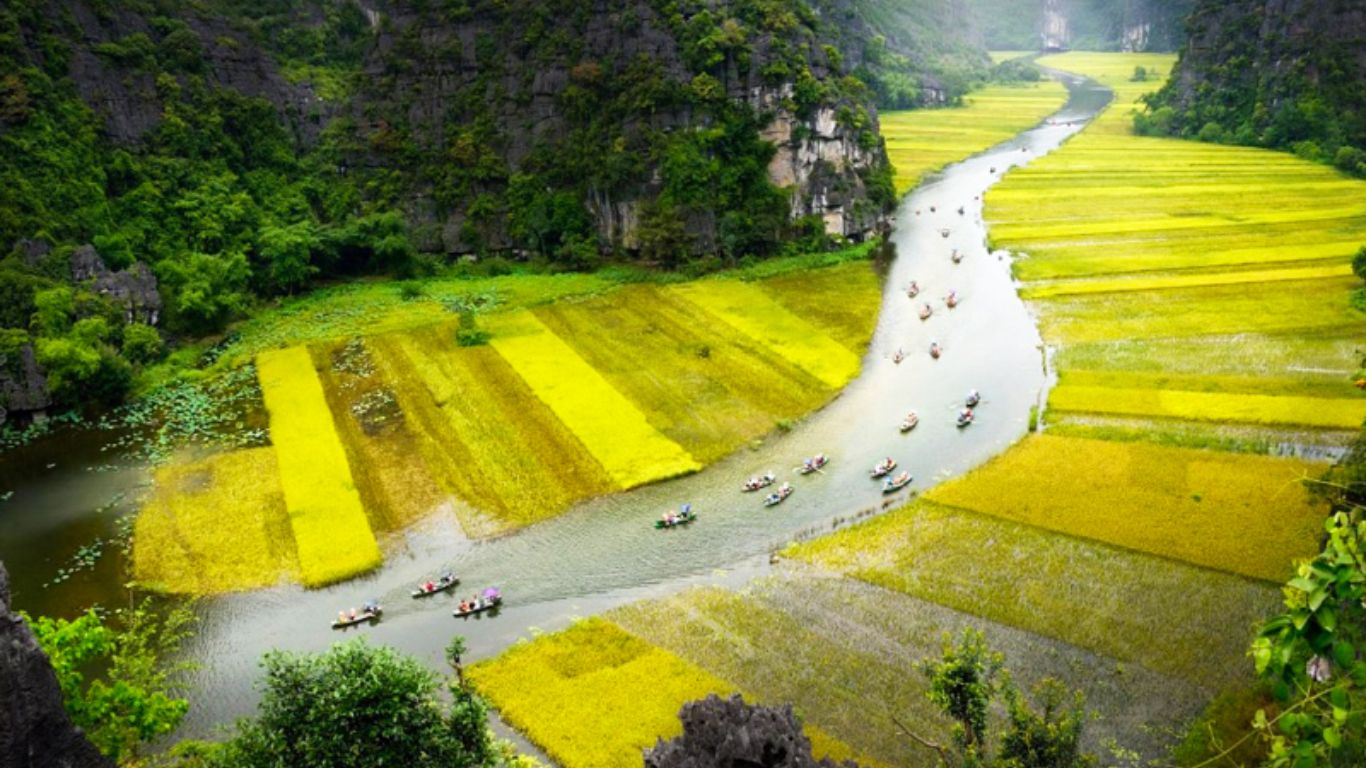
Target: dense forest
pixel 167 166
pixel 1281 75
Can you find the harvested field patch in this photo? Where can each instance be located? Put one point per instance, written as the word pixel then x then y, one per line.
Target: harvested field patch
pixel 330 528
pixel 1242 514
pixel 750 310
pixel 609 425
pixel 842 301
pixel 215 525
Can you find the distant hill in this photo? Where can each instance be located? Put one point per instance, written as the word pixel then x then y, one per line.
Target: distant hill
pixel 1098 25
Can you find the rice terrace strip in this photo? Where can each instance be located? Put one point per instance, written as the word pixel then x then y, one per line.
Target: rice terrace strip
pixel 331 531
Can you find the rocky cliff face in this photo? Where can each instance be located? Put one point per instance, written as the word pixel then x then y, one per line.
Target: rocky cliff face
pixel 35 731
pixel 1123 25
pixel 1280 73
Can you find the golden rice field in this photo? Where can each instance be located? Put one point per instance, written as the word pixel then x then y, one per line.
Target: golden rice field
pixel 921 141
pixel 595 696
pixel 580 393
pixel 215 525
pixel 1227 264
pixel 1242 514
pixel 331 533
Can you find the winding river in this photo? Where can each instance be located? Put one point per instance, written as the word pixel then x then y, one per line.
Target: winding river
pixel 605 553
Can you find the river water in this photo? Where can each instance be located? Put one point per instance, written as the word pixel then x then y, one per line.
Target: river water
pixel 605 552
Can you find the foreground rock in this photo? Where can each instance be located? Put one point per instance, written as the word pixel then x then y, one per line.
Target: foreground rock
pixel 728 733
pixel 35 731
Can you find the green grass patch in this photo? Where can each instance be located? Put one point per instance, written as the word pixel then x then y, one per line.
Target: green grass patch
pixel 1188 622
pixel 215 525
pixel 843 301
pixel 330 528
pixel 1242 514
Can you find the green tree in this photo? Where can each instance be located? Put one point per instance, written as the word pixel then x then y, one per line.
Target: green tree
pixel 967 679
pixel 286 253
pixel 142 344
pixel 129 702
pixel 358 705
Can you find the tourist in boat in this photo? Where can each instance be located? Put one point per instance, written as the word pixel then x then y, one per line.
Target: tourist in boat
pixel 973 398
pixel 341 617
pixel 352 616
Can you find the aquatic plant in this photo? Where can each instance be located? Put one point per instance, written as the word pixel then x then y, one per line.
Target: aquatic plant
pixel 331 532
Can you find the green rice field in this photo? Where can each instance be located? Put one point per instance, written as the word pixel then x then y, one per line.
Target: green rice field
pixel 921 141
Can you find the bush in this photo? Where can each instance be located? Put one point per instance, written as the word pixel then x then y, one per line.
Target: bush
pixel 142 344
pixel 358 705
pixel 469 334
pixel 1211 132
pixel 1350 160
pixel 1359 263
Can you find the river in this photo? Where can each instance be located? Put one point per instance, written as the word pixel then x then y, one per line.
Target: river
pixel 605 552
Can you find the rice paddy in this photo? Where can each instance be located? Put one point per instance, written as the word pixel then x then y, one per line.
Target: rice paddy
pixel 215 525
pixel 922 141
pixel 749 309
pixel 1241 514
pixel 331 533
pixel 610 426
pixel 1227 264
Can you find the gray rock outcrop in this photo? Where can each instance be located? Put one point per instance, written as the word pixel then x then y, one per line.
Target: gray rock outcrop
pixel 23 387
pixel 35 731
pixel 728 733
pixel 134 289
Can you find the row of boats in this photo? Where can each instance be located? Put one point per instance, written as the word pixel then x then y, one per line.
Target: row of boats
pixel 371 611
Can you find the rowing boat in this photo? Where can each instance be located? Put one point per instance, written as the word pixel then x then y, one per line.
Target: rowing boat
pixel 682 519
pixel 882 469
pixel 774 499
pixel 361 618
pixel 444 585
pixel 901 481
pixel 485 605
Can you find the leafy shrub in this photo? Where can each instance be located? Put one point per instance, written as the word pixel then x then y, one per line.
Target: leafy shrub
pixel 142 344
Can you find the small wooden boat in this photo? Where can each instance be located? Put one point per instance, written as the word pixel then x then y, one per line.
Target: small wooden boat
pixel 755 483
pixel 926 311
pixel 481 605
pixel 935 351
pixel 931 209
pixel 944 233
pixel 444 584
pixel 895 484
pixel 370 613
pixel 951 299
pixel 909 422
pixel 973 399
pixel 813 464
pixel 912 290
pixel 960 210
pixel 898 357
pixel 882 469
pixel 965 418
pixel 774 499
pixel 674 521
pixel 956 257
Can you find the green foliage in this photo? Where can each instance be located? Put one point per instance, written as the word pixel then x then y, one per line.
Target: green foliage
pixel 358 705
pixel 129 701
pixel 1311 655
pixel 963 684
pixel 1359 263
pixel 469 334
pixel 142 344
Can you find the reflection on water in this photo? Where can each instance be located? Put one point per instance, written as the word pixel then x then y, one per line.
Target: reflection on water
pixel 607 552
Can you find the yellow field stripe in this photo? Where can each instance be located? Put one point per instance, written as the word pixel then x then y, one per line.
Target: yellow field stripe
pixel 1119 285
pixel 1212 406
pixel 754 312
pixel 607 423
pixel 330 528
